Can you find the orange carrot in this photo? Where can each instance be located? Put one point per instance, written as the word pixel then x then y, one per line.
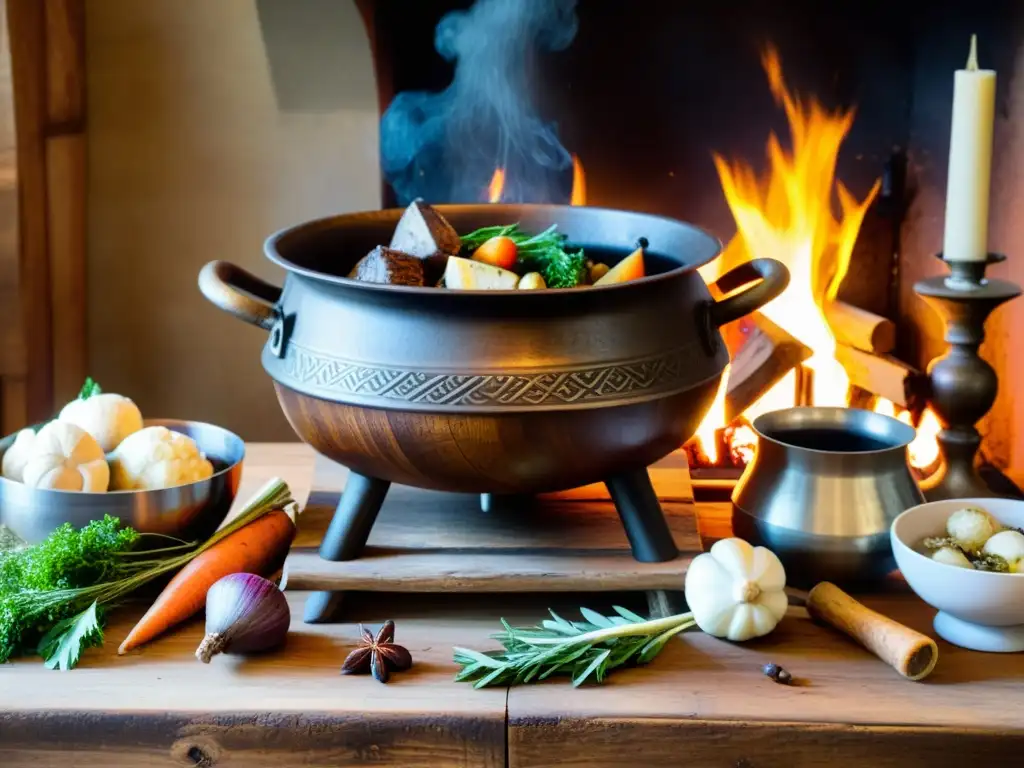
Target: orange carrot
pixel 257 547
pixel 498 252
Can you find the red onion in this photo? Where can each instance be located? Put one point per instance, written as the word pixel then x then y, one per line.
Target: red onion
pixel 245 613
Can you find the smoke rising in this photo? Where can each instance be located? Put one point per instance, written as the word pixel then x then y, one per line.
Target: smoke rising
pixel 444 146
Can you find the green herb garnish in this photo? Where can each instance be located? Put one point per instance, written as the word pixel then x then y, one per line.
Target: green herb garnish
pixel 63 645
pixel 544 252
pixel 54 595
pixel 583 649
pixel 985 562
pixel 939 542
pixel 89 388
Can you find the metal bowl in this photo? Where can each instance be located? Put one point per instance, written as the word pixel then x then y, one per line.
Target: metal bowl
pixel 190 512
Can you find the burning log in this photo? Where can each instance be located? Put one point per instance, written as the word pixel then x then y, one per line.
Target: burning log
pixel 861 329
pixel 766 355
pixel 885 376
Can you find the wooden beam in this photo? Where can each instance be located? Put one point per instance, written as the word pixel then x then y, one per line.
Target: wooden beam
pixel 861 329
pixel 65 66
pixel 65 170
pixel 47 41
pixel 65 191
pixel 26 24
pixel 12 342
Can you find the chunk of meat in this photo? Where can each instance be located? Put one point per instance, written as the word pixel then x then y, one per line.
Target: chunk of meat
pixel 386 265
pixel 426 234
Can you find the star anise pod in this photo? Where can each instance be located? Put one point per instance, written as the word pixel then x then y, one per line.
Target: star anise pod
pixel 380 655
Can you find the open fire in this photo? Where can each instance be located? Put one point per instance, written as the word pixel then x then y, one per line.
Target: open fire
pixel 787 214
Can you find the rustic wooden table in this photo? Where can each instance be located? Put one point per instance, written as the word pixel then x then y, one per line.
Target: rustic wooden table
pixel 703 702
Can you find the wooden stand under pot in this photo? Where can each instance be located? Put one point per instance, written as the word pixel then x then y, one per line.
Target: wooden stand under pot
pixel 506 392
pixel 431 542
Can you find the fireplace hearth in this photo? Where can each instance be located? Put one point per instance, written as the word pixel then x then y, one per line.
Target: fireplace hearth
pixel 642 97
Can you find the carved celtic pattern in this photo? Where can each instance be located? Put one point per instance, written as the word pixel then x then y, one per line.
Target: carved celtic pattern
pixel 344 379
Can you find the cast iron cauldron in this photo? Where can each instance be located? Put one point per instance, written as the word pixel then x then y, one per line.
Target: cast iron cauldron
pixel 506 392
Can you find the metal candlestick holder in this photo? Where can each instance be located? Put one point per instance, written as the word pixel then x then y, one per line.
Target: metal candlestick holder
pixel 963 385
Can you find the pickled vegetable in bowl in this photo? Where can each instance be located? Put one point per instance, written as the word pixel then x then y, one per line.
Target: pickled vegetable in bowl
pixel 978 609
pixel 974 539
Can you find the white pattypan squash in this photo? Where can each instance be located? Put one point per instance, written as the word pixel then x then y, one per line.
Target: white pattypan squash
pixel 735 590
pixel 157 457
pixel 107 417
pixel 16 456
pixel 65 457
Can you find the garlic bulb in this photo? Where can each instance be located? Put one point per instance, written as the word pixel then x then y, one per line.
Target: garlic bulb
pixel 971 527
pixel 1008 545
pixel 951 556
pixel 157 457
pixel 107 417
pixel 736 591
pixel 65 457
pixel 17 455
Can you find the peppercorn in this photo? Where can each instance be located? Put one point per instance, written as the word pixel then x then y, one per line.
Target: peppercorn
pixel 777 673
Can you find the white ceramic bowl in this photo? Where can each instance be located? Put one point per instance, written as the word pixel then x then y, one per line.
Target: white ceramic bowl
pixel 979 610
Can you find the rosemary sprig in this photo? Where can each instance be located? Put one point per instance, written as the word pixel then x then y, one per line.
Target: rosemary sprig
pixel 586 650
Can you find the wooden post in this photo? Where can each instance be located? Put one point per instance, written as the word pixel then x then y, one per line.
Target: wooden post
pixel 47 42
pixel 26 29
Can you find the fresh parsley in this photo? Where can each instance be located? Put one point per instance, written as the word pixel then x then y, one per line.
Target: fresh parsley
pixel 64 643
pixel 54 594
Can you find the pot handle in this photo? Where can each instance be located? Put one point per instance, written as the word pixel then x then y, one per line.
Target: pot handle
pixel 240 293
pixel 772 277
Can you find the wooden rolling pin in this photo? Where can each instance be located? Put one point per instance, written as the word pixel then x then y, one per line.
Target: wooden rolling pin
pixel 910 653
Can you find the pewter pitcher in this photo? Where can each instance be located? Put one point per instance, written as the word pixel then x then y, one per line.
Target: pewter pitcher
pixel 823 490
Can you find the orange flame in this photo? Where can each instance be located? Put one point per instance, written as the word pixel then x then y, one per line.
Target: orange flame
pixel 713 421
pixel 788 216
pixel 579 183
pixel 497 186
pixel 923 451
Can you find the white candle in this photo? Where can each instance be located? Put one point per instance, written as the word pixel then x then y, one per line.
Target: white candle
pixel 970 162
